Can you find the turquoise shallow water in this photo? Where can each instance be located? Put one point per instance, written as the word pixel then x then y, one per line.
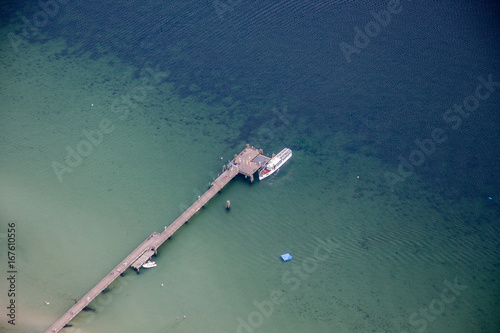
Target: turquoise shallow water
pixel 423 257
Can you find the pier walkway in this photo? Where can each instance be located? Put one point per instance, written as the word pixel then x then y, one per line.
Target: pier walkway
pixel 249 161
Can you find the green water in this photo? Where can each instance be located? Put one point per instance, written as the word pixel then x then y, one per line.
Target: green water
pixel 389 253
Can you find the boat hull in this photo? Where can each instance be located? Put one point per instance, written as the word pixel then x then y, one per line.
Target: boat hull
pixel 275 163
pixel 149 264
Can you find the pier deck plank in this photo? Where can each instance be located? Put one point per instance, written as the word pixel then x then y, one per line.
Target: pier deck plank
pixel 103 284
pixel 242 163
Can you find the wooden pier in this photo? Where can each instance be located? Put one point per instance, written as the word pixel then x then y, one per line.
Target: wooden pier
pixel 248 162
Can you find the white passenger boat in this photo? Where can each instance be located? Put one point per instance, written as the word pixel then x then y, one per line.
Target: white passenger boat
pixel 275 163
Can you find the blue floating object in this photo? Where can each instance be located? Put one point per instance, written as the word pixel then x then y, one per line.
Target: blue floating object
pixel 286 257
pixel 490 198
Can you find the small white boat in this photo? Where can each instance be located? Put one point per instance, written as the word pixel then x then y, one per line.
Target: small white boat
pixel 149 264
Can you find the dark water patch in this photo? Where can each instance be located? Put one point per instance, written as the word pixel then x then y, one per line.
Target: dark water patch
pixel 394 92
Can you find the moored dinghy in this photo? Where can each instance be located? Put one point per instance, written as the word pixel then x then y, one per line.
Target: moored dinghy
pixel 149 264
